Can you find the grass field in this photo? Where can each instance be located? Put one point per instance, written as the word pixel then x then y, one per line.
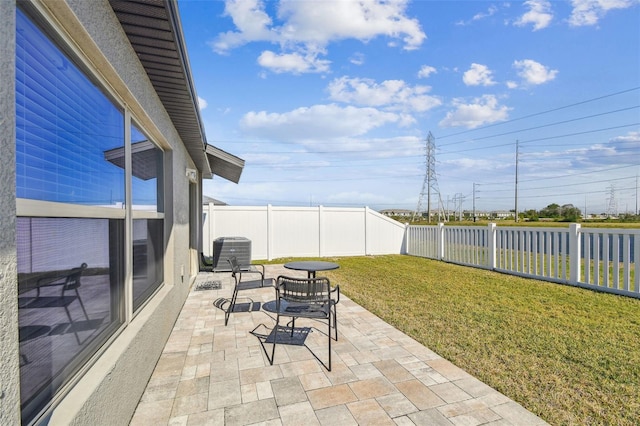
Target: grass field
pixel 571 356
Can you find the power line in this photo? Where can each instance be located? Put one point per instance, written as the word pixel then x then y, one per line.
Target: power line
pixel 541 113
pixel 444 152
pixel 557 195
pixel 295 180
pixel 542 126
pixel 565 185
pixel 565 175
pixel 541 139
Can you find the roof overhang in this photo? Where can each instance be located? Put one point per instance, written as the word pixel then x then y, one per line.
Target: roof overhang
pixel 224 164
pixel 144 159
pixel 155 33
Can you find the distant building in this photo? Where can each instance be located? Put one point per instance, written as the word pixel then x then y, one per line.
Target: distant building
pixel 208 200
pixel 501 214
pixel 397 212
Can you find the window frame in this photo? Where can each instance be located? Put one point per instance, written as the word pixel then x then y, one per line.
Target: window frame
pixel 52 29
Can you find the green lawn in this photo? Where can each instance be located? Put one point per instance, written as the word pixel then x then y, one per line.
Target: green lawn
pixel 570 355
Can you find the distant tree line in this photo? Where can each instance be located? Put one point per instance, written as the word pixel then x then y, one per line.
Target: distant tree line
pixel 570 213
pixel 565 213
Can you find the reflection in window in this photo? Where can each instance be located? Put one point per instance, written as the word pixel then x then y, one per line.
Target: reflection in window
pixel 70 283
pixel 64 124
pixel 147 258
pixel 147 174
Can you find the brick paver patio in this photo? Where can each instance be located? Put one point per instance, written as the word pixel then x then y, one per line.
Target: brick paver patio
pixel 210 374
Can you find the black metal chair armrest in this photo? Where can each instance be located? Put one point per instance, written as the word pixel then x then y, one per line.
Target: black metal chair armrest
pixel 336 290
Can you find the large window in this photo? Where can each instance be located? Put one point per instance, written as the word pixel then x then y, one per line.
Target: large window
pixel 71 151
pixel 64 126
pixel 70 291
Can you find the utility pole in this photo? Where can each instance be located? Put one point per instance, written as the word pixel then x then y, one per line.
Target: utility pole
pixel 612 203
pixel 448 210
pixel 474 201
pixel 517 155
pixel 457 203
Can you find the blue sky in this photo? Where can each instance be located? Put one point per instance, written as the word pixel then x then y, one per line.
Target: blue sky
pixel 330 102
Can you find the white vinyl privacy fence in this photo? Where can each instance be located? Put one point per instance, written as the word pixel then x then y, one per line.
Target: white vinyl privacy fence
pixel 277 232
pixel 595 258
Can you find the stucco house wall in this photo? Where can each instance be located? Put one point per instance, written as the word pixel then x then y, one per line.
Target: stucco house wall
pixel 9 370
pixel 110 388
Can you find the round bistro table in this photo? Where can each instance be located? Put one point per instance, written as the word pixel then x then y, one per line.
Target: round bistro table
pixel 311 266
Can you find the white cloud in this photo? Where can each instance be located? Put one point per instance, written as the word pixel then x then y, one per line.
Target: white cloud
pixel 357 58
pixel 246 193
pixel 357 197
pixel 480 16
pixel 252 23
pixel 294 63
pixel 490 12
pixel 426 71
pixel 617 151
pixel 511 84
pixel 308 27
pixel 589 12
pixel 475 164
pixel 202 104
pixel 484 110
pixel 256 157
pixel 629 138
pixel 391 94
pixel 320 22
pixel 317 122
pixel 478 75
pixel 533 72
pixel 539 14
pixel 629 143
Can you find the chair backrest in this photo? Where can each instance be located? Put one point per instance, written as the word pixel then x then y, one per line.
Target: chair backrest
pixel 307 290
pixel 73 279
pixel 235 266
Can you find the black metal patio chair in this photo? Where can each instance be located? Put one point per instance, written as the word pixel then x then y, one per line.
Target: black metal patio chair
pixel 310 298
pixel 237 271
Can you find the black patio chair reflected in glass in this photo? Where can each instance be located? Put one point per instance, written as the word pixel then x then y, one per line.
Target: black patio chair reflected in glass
pixel 67 281
pixel 306 298
pixel 237 271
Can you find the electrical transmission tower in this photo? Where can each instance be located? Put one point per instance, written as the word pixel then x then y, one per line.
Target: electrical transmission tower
pixel 430 181
pixel 612 203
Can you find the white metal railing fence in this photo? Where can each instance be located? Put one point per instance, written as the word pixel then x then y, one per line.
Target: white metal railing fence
pixel 277 232
pixel 595 258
